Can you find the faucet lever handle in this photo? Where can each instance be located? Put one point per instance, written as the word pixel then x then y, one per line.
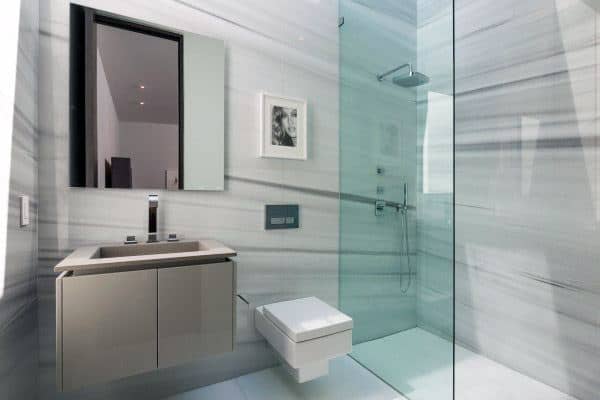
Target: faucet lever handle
pixel 153 200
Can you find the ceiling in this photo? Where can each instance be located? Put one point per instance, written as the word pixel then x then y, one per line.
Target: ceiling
pixel 403 10
pixel 133 59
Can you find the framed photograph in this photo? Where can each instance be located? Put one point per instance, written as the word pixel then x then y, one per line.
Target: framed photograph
pixel 282 127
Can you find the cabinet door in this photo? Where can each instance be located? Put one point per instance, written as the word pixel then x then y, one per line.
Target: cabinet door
pixel 195 312
pixel 108 326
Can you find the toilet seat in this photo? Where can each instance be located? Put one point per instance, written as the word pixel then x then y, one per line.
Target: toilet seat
pixel 307 318
pixel 306 333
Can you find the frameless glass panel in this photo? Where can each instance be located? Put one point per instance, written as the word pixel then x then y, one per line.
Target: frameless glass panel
pixel 396 179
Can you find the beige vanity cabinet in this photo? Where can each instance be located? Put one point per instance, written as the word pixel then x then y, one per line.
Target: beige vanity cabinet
pixel 195 312
pixel 106 325
pixel 113 325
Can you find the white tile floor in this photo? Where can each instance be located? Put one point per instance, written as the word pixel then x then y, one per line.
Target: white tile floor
pixel 479 378
pixel 416 362
pixel 347 380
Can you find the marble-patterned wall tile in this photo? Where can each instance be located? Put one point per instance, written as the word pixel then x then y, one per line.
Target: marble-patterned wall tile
pixel 18 305
pixel 19 361
pixel 19 276
pixel 288 48
pixel 527 188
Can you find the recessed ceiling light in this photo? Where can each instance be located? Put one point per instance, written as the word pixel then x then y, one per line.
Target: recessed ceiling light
pixel 142 103
pixel 142 87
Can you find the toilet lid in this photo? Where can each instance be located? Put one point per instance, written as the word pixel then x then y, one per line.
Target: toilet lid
pixel 307 318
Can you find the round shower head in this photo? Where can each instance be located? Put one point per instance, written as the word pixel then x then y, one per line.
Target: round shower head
pixel 412 80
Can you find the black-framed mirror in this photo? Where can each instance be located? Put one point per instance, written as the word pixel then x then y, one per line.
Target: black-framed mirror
pixel 131 86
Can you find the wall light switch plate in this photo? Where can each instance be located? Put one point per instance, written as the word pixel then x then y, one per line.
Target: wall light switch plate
pixel 24 206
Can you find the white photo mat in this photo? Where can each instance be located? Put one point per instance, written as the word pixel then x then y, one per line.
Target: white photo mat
pixel 283 127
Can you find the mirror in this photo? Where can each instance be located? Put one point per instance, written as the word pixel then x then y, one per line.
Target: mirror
pixel 147 105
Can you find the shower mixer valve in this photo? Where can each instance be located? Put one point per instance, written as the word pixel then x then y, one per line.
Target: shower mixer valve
pixel 379 207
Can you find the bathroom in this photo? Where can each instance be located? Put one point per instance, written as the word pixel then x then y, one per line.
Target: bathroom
pixel 403 193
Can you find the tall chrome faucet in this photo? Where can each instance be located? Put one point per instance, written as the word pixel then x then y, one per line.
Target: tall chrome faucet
pixel 152 218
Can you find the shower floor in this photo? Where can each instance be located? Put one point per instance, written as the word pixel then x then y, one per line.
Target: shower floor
pixel 419 365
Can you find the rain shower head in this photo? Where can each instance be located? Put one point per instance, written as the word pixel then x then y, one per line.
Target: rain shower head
pixel 413 78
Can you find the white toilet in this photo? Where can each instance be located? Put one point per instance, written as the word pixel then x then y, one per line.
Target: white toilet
pixel 306 333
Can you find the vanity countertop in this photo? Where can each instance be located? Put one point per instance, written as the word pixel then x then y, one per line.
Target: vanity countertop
pixel 127 257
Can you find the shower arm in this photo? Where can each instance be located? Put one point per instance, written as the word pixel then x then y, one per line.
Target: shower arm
pixel 380 77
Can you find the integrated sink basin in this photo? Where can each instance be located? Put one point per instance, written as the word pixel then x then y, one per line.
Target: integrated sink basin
pixel 147 249
pixel 125 257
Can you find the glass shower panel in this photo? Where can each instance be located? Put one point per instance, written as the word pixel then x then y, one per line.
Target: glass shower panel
pixel 377 158
pixel 396 179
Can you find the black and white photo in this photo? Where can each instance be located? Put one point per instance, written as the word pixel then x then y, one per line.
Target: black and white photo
pixel 283 127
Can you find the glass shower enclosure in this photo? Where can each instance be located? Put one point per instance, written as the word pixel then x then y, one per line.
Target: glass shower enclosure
pixel 396 180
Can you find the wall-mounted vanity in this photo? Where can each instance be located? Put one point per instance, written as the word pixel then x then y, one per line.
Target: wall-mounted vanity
pixel 146 105
pixel 126 309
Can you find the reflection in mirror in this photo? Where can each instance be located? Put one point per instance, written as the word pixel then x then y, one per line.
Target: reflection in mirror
pixel 130 86
pixel 137 122
pixel 126 108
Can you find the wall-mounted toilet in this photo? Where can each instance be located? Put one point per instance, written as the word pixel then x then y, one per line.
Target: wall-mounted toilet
pixel 306 333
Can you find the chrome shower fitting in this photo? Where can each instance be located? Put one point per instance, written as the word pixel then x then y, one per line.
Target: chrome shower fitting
pixel 380 77
pixel 404 206
pixel 152 218
pixel 413 78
